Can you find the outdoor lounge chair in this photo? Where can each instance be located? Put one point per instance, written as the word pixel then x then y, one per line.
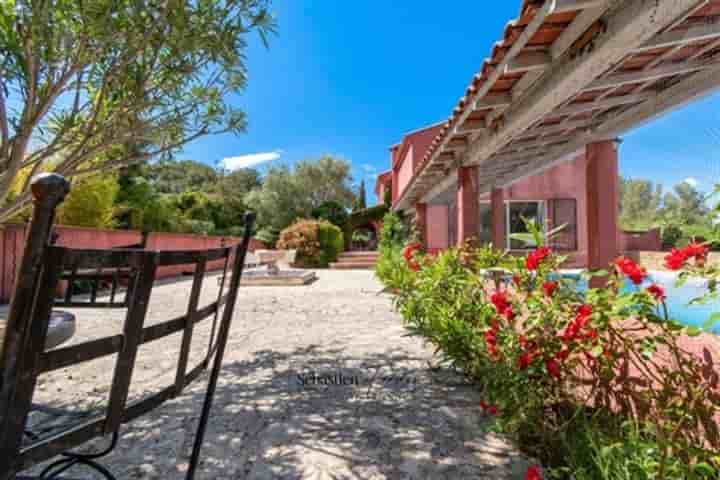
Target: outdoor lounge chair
pixel 24 357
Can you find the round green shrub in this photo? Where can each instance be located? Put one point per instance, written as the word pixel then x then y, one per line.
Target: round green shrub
pixel 318 243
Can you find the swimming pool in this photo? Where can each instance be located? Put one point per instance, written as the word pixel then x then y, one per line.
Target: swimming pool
pixel 678 298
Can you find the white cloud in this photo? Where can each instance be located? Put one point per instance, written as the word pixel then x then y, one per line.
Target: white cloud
pixel 693 182
pixel 368 168
pixel 247 161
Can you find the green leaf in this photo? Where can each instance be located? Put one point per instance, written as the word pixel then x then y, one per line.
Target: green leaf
pixel 703 468
pixel 597 351
pixel 714 318
pixel 693 331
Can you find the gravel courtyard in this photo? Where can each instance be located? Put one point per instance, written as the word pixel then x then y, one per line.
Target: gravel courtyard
pixel 319 382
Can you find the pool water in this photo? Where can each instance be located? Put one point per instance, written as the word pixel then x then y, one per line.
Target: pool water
pixel 678 298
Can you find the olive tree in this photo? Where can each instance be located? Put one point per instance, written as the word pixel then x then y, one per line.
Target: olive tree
pixel 97 85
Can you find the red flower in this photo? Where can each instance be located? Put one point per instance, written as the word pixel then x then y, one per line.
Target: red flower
pixel 484 405
pixel 676 259
pixel 491 342
pixel 592 334
pixel 550 288
pixel 697 251
pixel 534 258
pixel 572 330
pixel 525 359
pixel 409 255
pixel 630 269
pixel 656 291
pixel 533 473
pixel 502 305
pixel 553 368
pixel 585 310
pixel 562 355
pixel 492 410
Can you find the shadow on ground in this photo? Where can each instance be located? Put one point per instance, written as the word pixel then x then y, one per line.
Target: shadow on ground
pixel 316 413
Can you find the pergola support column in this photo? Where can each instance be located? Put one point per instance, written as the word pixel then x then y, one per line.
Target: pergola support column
pixel 602 205
pixel 497 208
pixel 421 222
pixel 467 204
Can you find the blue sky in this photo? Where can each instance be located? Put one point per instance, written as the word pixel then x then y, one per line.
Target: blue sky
pixel 349 78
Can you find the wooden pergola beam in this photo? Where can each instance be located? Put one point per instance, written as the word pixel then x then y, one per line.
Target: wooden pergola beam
pixel 494 100
pixel 472 126
pixel 556 128
pixel 663 71
pixel 708 31
pixel 529 61
pixel 610 102
pixel 562 6
pixel 578 27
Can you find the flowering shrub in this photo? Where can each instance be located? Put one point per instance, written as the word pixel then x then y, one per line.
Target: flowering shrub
pixel 317 242
pixel 562 369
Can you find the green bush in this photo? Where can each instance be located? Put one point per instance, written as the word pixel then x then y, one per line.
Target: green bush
pixel 331 243
pixel 552 362
pixel 317 242
pixel 390 267
pixel 671 236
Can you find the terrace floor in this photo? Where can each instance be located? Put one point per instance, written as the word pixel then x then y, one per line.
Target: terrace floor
pixel 277 414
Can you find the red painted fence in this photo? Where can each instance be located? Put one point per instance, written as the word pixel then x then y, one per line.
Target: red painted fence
pixel 12 242
pixel 650 241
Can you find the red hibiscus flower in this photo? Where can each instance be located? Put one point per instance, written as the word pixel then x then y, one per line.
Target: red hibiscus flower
pixel 585 310
pixel 500 300
pixel 676 259
pixel 562 355
pixel 525 359
pixel 409 255
pixel 592 334
pixel 630 269
pixel 573 329
pixel 553 368
pixel 697 251
pixel 656 291
pixel 533 473
pixel 491 342
pixel 550 288
pixel 535 258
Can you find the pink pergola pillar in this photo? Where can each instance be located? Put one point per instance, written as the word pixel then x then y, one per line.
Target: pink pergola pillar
pixel 468 213
pixel 602 205
pixel 497 209
pixel 421 222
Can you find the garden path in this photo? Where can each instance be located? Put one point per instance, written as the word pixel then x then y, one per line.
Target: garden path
pixel 277 415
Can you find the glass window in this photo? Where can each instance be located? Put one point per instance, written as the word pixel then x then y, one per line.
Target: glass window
pixel 516 212
pixel 485 229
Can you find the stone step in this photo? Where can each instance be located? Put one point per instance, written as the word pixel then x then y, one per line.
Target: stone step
pixel 359 254
pixel 352 265
pixel 358 258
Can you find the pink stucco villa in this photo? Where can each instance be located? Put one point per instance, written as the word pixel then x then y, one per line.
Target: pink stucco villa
pixel 554 197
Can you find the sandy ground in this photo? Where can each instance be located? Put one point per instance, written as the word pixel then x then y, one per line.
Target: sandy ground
pixel 319 382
